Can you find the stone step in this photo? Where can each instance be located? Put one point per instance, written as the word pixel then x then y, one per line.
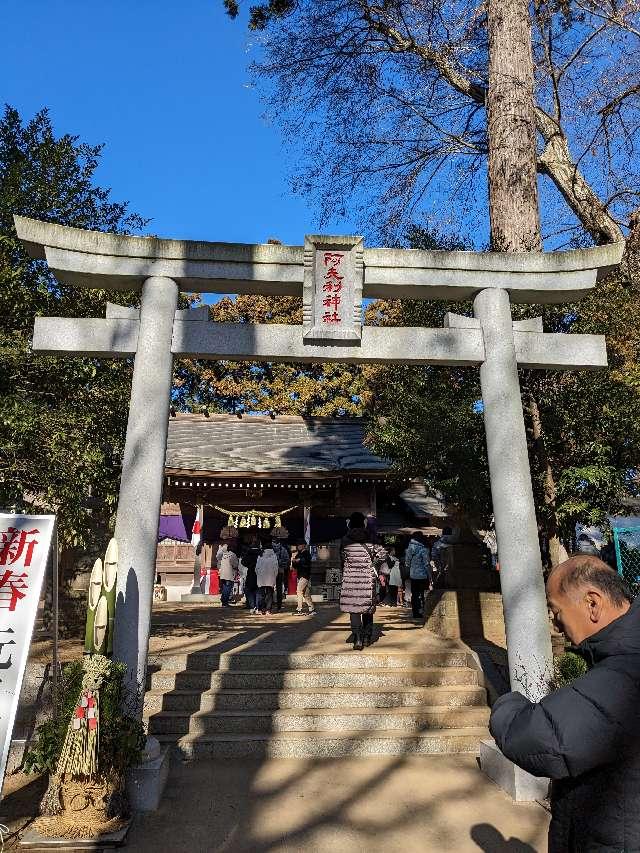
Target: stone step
pixel 269 700
pixel 233 662
pixel 310 678
pixel 329 744
pixel 452 696
pixel 417 720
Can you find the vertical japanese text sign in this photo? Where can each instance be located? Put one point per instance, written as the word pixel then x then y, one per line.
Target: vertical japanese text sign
pixel 25 542
pixel 332 291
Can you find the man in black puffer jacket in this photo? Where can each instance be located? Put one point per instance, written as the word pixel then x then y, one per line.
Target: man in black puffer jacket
pixel 586 737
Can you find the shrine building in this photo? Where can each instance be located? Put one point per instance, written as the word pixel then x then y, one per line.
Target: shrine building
pixel 305 474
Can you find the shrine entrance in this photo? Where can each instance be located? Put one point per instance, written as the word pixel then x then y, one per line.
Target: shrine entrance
pixel 332 273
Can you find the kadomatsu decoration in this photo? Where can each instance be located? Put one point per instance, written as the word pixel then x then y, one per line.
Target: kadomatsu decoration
pixel 88 746
pixel 101 606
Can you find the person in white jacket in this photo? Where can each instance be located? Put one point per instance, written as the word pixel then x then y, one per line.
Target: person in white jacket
pixel 228 568
pixel 267 572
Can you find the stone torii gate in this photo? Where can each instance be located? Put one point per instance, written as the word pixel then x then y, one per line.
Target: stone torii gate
pixel 332 274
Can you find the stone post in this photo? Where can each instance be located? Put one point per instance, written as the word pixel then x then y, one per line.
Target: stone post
pixel 196 589
pixel 142 477
pixel 523 593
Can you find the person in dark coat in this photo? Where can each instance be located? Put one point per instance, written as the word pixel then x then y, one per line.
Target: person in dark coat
pixel 359 592
pixel 249 559
pixel 301 562
pixel 284 561
pixel 586 737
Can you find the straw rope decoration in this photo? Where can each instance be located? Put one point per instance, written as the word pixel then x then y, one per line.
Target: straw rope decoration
pixel 84 800
pixel 78 765
pixel 79 756
pixel 254 517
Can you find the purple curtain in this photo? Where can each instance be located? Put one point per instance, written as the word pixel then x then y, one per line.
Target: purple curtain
pixel 174 527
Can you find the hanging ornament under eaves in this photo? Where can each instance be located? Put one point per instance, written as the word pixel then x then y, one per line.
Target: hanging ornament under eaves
pixel 254 518
pixel 258 518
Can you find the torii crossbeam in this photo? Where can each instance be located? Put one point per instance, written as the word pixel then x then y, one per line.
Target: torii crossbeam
pixel 332 274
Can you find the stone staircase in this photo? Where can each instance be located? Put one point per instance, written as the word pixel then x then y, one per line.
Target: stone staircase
pixel 302 704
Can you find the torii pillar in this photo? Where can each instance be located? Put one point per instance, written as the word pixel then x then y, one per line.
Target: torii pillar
pixel 522 584
pixel 332 274
pixel 142 478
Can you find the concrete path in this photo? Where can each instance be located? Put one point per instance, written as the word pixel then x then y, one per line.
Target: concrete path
pixel 195 627
pixel 410 804
pixel 192 628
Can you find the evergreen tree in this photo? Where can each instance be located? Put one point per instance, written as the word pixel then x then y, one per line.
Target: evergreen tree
pixel 62 420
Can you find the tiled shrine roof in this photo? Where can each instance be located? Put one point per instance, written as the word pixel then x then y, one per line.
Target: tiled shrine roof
pixel 260 444
pixel 422 502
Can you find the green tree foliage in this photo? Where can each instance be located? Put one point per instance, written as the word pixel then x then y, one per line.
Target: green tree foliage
pixel 592 419
pixel 567 668
pixel 286 389
pixel 62 420
pixel 428 420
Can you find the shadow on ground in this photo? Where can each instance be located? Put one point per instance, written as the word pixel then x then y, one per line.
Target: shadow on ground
pixel 347 805
pixel 21 795
pixel 491 840
pixel 407 803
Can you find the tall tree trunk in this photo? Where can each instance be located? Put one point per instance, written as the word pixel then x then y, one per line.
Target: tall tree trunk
pixel 511 126
pixel 513 179
pixel 555 160
pixel 557 551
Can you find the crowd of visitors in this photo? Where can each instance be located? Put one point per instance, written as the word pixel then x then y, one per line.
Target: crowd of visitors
pixel 258 572
pixel 372 575
pixel 376 576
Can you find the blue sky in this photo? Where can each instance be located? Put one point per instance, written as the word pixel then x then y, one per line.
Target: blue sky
pixel 165 85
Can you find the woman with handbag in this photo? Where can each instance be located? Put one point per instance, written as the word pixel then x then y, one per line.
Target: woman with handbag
pixel 359 594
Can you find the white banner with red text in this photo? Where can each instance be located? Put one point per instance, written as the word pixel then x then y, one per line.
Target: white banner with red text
pixel 25 543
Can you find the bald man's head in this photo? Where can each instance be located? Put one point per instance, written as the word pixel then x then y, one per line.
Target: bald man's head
pixel 585 595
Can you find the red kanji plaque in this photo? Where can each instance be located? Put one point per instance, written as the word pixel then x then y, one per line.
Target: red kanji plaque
pixel 333 279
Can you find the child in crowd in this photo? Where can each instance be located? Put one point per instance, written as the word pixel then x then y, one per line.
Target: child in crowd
pixel 387 597
pixel 406 589
pixel 396 587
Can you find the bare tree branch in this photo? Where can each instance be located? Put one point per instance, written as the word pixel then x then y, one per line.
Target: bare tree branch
pixel 352 75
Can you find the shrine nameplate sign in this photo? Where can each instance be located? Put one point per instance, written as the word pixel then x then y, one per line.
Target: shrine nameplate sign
pixel 25 543
pixel 332 289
